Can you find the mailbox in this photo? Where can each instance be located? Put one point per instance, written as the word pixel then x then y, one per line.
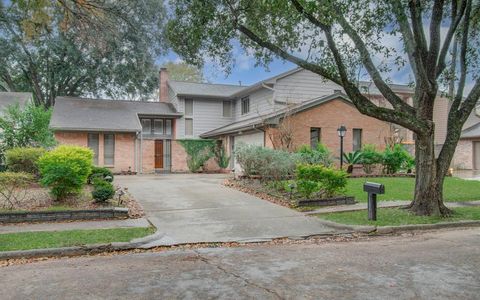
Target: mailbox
pixel 373 189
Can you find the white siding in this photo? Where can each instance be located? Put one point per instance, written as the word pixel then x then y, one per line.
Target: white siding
pixel 207 115
pixel 261 102
pixel 302 86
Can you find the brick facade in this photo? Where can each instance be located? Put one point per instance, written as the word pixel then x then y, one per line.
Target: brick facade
pixel 124 148
pixel 463 157
pixel 329 116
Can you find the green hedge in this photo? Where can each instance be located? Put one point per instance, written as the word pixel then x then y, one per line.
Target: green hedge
pixel 23 159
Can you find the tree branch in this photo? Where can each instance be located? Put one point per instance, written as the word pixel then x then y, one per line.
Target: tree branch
pixel 457 15
pixel 437 16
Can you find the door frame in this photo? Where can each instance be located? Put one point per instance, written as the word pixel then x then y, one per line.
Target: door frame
pixel 166 155
pixel 156 157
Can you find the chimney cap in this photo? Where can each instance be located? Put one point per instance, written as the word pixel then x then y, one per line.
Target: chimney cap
pixel 163 69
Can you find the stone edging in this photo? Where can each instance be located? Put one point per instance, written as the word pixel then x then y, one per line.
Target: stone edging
pixel 64 215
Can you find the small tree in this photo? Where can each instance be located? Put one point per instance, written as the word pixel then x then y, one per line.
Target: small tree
pixel 27 127
pixel 198 152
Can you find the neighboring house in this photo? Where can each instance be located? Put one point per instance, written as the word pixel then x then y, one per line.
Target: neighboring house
pixel 143 136
pixel 12 98
pixel 467 154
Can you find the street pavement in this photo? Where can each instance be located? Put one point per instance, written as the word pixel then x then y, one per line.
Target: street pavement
pixel 434 265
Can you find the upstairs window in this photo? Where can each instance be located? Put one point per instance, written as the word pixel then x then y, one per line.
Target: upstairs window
pixel 189 107
pixel 315 137
pixel 189 127
pixel 227 109
pixel 245 105
pixel 168 127
pixel 158 126
pixel 146 126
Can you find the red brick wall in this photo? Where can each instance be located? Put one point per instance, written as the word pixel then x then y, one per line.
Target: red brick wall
pixel 124 147
pixel 179 158
pixel 329 117
pixel 148 156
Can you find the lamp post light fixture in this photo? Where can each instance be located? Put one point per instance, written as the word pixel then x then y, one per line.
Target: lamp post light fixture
pixel 341 133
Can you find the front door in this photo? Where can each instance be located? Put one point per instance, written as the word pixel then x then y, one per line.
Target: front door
pixel 159 154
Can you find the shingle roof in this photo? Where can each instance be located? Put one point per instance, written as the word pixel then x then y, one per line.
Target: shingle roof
pixel 272 118
pixel 71 113
pixel 9 98
pixel 183 88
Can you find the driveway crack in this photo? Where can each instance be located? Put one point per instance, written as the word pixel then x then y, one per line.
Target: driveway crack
pixel 245 280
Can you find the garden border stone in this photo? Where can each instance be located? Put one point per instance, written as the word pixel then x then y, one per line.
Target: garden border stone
pixel 341 200
pixel 64 215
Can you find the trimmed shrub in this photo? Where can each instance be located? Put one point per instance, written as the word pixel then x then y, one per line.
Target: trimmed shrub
pixel 101 173
pixel 321 155
pixel 370 157
pixel 12 187
pixel 65 169
pixel 102 190
pixel 316 178
pixel 394 158
pixel 265 162
pixel 23 159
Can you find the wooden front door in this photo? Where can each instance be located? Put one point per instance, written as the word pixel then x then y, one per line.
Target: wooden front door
pixel 159 154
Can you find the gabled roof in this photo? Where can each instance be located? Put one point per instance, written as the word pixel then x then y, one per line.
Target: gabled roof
pixel 10 98
pixel 80 114
pixel 274 117
pixel 471 128
pixel 183 88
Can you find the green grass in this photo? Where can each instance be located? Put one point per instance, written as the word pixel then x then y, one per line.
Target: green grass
pixel 54 239
pixel 401 188
pixel 397 216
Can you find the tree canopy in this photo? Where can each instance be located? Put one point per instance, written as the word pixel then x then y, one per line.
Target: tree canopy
pixel 184 72
pixel 94 48
pixel 436 41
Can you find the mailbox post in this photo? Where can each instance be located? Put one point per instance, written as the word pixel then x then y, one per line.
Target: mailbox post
pixel 373 189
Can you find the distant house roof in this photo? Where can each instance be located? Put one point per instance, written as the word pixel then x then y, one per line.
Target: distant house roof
pixel 10 98
pixel 79 114
pixel 272 118
pixel 182 88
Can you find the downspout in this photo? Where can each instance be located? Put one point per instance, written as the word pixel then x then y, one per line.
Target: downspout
pixel 141 153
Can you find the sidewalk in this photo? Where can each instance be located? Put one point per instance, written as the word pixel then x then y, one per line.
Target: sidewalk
pixel 363 205
pixel 83 225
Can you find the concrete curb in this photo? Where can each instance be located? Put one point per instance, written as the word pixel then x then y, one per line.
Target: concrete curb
pixel 403 228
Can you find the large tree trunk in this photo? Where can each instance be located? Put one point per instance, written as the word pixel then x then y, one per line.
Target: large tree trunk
pixel 428 198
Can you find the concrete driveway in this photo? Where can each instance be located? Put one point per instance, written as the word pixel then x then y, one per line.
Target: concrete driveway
pixel 192 208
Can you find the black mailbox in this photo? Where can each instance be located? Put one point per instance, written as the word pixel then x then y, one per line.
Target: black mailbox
pixel 373 189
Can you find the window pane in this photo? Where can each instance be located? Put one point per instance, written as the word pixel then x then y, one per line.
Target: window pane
pixel 189 127
pixel 227 109
pixel 146 126
pixel 168 127
pixel 357 139
pixel 188 107
pixel 245 105
pixel 109 149
pixel 93 144
pixel 158 126
pixel 314 137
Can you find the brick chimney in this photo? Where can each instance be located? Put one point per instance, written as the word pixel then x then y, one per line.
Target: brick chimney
pixel 162 79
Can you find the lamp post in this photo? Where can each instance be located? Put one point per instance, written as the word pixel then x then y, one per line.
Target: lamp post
pixel 341 133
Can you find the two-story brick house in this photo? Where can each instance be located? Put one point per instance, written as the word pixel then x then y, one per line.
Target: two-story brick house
pixel 143 136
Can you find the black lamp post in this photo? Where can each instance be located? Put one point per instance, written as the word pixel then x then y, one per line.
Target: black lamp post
pixel 341 133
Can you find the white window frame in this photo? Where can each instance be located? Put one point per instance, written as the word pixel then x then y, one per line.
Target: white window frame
pixel 245 105
pixel 188 134
pixel 190 100
pixel 227 110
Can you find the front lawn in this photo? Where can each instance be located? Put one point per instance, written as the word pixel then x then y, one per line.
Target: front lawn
pixel 401 188
pixel 398 216
pixel 56 239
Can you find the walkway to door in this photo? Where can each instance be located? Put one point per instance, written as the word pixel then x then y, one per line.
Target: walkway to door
pixel 192 208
